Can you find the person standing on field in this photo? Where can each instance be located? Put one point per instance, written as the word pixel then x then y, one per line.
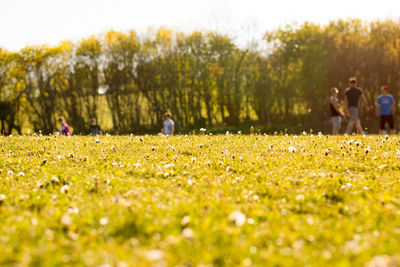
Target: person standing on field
pixel 336 114
pixel 385 110
pixel 94 129
pixel 351 99
pixel 168 124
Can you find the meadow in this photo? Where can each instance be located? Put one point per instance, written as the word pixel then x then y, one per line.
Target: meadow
pixel 200 200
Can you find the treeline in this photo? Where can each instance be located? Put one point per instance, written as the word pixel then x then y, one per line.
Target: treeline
pixel 204 79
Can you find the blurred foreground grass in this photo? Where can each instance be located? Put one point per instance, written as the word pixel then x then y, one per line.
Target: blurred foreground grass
pixel 225 200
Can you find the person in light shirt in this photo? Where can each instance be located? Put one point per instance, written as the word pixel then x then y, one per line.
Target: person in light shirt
pixel 168 124
pixel 385 110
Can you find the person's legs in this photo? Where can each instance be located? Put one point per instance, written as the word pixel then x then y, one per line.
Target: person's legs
pixel 382 125
pixel 335 131
pixel 391 124
pixel 353 119
pixel 359 128
pixel 349 127
pixel 336 120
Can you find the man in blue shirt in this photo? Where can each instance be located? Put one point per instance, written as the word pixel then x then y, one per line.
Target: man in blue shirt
pixel 385 110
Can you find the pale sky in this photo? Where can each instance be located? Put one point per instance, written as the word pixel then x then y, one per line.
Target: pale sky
pixel 30 22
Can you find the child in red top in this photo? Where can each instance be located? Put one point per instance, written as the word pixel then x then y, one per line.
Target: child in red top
pixel 64 127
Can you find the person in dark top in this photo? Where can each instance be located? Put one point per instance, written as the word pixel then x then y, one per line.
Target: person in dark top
pixel 336 114
pixel 94 128
pixel 351 99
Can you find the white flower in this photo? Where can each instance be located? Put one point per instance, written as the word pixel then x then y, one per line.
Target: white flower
pixel 155 254
pixel 66 219
pixel 97 140
pixel 202 130
pixel 34 221
pixel 54 179
pixel 185 220
pixel 169 165
pixel 188 233
pixel 71 210
pixel 352 247
pixel 122 264
pixel 103 221
pixel 65 189
pixel 237 217
pixel 380 260
pixel 247 262
pixel 292 149
pixel 74 236
pixel 21 174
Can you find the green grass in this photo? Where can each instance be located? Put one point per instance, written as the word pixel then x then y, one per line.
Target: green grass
pixel 223 200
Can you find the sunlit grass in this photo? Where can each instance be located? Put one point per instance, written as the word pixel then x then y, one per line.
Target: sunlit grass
pixel 200 200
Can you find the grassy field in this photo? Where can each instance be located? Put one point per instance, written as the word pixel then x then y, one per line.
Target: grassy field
pixel 220 200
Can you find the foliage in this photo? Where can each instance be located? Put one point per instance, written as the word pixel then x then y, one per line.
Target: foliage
pixel 203 78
